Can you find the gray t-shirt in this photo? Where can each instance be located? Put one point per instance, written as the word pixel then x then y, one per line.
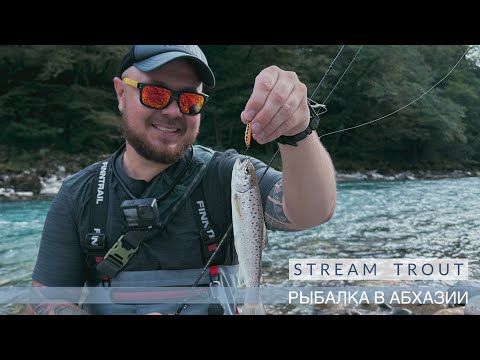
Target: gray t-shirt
pixel 61 261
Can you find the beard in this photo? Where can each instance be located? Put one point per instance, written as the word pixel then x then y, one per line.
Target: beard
pixel 166 156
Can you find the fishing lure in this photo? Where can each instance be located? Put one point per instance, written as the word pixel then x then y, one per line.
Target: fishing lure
pixel 248 135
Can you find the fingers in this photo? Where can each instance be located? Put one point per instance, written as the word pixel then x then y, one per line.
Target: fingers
pixel 277 106
pixel 264 84
pixel 285 119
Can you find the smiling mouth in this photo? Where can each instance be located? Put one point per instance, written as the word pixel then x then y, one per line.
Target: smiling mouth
pixel 165 130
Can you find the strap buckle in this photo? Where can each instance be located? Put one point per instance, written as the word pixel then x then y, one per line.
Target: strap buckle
pixel 115 259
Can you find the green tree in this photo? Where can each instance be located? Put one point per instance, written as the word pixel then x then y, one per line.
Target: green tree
pixel 59 99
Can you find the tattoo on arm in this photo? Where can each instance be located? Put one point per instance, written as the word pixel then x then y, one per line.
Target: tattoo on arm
pixel 274 214
pixel 48 308
pixel 57 309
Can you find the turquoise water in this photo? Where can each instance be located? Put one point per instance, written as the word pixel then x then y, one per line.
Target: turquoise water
pixel 21 225
pixel 422 219
pixel 411 219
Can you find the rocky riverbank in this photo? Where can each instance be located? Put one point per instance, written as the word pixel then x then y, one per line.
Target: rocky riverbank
pixel 374 175
pixel 37 184
pixel 31 184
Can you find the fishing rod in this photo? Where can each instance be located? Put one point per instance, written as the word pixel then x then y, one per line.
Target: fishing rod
pixel 230 227
pixel 311 103
pixel 341 77
pixel 403 107
pixel 248 137
pixel 328 70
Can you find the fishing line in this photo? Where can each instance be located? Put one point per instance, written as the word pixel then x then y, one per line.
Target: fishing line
pixel 328 70
pixel 248 136
pixel 403 107
pixel 247 143
pixel 341 77
pixel 230 227
pixel 197 280
pixel 313 104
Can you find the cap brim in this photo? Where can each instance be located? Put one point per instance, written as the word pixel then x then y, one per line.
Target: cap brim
pixel 154 62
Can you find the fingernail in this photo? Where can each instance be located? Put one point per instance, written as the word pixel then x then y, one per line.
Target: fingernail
pixel 243 117
pixel 256 127
pixel 250 115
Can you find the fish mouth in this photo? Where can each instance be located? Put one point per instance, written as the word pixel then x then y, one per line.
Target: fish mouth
pixel 240 164
pixel 242 182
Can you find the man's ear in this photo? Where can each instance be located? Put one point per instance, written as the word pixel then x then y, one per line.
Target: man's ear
pixel 120 91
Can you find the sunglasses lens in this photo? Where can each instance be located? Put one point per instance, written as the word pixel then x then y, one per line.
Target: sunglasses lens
pixel 155 97
pixel 191 103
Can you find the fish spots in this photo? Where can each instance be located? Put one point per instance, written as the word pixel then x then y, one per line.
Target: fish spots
pixel 248 222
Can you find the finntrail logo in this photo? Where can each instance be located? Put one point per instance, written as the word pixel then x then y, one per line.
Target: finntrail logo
pixel 101 182
pixel 94 241
pixel 378 269
pixel 202 211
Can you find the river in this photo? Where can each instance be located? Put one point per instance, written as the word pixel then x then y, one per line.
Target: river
pixel 378 219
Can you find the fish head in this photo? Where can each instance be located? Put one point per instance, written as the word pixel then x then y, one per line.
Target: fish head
pixel 243 175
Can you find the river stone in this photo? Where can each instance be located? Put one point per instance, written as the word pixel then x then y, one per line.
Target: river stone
pixel 472 287
pixel 451 311
pixel 26 182
pixel 473 306
pixel 401 311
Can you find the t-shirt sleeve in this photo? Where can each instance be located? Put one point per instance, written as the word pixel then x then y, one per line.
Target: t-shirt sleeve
pixel 60 260
pixel 266 183
pixel 270 178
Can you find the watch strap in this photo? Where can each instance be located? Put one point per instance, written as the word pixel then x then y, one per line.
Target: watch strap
pixel 312 126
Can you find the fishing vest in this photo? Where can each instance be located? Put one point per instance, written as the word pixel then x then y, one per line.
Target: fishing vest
pixel 193 178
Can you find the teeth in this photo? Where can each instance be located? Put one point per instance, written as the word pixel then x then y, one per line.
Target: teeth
pixel 168 130
pixel 165 129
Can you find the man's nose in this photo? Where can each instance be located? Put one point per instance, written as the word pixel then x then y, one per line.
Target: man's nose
pixel 173 108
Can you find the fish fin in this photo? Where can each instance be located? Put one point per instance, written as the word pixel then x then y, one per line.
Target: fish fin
pixel 236 204
pixel 241 277
pixel 253 309
pixel 264 237
pixel 236 212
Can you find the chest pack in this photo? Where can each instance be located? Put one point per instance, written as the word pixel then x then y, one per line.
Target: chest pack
pixel 197 182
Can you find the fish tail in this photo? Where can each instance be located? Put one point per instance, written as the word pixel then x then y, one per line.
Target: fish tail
pixel 253 302
pixel 253 309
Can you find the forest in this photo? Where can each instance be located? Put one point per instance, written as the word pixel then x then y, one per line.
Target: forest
pixel 58 105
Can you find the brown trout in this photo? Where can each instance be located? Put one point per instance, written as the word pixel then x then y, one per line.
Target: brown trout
pixel 249 232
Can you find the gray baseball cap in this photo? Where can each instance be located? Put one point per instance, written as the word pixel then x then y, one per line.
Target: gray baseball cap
pixel 150 57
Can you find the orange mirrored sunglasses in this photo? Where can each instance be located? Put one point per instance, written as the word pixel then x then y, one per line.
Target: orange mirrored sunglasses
pixel 159 97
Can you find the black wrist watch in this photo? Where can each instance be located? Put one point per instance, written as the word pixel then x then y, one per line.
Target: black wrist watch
pixel 293 140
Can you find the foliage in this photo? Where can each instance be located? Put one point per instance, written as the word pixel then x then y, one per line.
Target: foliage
pixel 59 99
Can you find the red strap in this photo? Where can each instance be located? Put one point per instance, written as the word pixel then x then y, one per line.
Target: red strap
pixel 97 260
pixel 214 270
pixel 212 247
